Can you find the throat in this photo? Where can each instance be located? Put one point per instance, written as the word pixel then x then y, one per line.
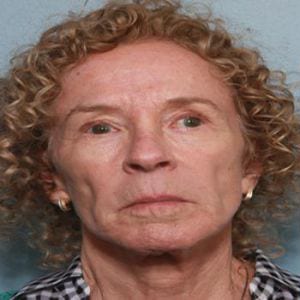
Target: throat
pixel 114 273
pixel 166 276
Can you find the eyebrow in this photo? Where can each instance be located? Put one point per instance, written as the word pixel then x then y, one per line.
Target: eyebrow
pixel 172 103
pixel 184 101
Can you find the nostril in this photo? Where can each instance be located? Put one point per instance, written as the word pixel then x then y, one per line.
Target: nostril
pixel 148 167
pixel 137 167
pixel 163 164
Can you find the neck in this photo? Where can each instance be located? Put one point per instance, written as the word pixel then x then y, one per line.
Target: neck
pixel 205 271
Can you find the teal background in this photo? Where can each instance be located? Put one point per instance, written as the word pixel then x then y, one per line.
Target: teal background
pixel 273 26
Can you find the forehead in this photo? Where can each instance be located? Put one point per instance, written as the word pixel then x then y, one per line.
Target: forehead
pixel 141 74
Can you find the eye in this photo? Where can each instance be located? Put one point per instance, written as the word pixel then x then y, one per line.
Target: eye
pixel 190 121
pixel 100 128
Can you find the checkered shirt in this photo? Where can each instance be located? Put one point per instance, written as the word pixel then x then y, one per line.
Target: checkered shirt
pixel 269 283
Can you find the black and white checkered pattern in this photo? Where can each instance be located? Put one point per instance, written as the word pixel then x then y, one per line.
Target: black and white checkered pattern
pixel 272 282
pixel 66 285
pixel 269 283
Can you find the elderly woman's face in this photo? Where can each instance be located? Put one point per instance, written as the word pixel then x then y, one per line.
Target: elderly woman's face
pixel 148 147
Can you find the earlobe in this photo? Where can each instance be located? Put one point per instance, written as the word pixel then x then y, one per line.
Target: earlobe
pixel 248 185
pixel 250 180
pixel 59 194
pixel 248 195
pixel 53 185
pixel 54 188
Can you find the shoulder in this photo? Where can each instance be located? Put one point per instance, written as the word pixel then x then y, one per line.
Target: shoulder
pixel 67 283
pixel 270 279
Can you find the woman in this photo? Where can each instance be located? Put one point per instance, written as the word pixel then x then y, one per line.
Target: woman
pixel 133 139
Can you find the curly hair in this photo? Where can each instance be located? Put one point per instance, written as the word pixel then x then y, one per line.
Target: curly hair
pixel 263 101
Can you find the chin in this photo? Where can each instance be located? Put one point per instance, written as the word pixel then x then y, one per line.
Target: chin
pixel 152 249
pixel 160 240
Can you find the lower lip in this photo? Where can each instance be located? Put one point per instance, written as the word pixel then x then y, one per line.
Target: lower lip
pixel 157 203
pixel 155 208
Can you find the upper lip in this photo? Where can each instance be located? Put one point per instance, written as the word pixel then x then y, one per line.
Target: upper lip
pixel 156 198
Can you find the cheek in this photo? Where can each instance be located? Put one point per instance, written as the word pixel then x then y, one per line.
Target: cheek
pixel 86 171
pixel 228 180
pixel 215 155
pixel 215 166
pixel 92 155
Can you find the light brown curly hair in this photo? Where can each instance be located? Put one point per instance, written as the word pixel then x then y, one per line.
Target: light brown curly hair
pixel 264 103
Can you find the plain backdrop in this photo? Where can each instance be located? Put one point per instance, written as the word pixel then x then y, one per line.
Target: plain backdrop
pixel 273 26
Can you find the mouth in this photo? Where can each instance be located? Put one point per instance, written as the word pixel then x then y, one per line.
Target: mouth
pixel 157 200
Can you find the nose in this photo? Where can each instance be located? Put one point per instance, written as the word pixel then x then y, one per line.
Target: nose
pixel 148 152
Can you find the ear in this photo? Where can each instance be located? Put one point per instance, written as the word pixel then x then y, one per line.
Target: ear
pixel 54 188
pixel 53 184
pixel 251 177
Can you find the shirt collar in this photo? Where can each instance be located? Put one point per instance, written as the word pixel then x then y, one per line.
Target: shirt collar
pixel 55 281
pixel 267 277
pixel 264 268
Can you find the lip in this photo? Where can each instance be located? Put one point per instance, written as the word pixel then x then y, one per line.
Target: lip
pixel 156 199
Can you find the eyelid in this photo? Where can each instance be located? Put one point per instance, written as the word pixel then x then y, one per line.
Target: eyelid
pixel 192 115
pixel 114 127
pixel 87 126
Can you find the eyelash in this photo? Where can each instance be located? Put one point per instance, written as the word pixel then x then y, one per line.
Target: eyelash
pixel 89 127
